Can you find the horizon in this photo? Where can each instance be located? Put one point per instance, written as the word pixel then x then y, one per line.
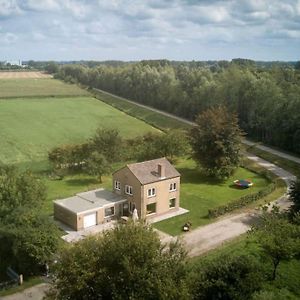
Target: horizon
pixel 179 30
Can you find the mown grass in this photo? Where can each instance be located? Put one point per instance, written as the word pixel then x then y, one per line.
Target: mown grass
pixel 200 193
pixel 154 118
pixel 22 87
pixel 31 127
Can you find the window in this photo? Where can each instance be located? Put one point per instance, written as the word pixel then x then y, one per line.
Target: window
pixel 110 211
pixel 151 192
pixel 173 186
pixel 172 203
pixel 151 208
pixel 128 189
pixel 117 185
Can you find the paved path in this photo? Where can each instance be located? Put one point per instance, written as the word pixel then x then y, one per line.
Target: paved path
pixel 247 142
pixel 36 292
pixel 273 151
pixel 213 235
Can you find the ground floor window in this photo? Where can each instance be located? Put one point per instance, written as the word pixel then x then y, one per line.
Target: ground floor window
pixel 110 211
pixel 151 208
pixel 131 206
pixel 172 203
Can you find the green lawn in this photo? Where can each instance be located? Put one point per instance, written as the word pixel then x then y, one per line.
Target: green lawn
pixel 155 119
pixel 199 193
pixel 31 127
pixel 10 88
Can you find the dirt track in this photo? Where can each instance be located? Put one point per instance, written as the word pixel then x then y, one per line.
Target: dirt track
pixel 23 74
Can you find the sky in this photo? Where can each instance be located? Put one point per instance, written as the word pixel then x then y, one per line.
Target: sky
pixel 149 29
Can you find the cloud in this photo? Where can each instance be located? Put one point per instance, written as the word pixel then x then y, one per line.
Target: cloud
pixel 151 28
pixel 8 8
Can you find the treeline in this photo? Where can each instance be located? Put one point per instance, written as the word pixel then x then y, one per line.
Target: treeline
pixel 267 100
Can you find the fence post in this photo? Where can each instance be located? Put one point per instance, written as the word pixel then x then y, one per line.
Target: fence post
pixel 20 279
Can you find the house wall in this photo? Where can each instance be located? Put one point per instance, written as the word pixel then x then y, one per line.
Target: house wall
pixel 162 197
pixel 64 215
pixel 127 178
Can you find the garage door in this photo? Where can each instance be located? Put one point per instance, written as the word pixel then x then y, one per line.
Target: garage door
pixel 90 220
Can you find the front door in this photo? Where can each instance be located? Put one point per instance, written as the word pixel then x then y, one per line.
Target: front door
pixel 125 209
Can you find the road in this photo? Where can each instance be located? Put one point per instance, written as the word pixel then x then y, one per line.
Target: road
pixel 245 141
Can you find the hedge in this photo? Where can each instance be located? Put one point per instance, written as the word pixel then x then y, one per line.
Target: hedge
pixel 241 202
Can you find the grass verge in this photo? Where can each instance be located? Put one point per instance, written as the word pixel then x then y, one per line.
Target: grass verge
pixel 153 118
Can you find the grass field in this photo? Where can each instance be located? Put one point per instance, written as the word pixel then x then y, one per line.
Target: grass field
pixel 155 119
pixel 199 193
pixel 22 74
pixel 31 127
pixel 18 88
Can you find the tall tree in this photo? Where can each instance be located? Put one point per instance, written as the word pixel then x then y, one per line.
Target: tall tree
pixel 96 164
pixel 216 141
pixel 294 193
pixel 107 142
pixel 127 262
pixel 278 239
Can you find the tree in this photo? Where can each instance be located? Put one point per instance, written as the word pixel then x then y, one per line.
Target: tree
pixel 51 68
pixel 127 262
pixel 216 141
pixel 19 189
pixel 28 238
pixel 294 193
pixel 107 142
pixel 97 165
pixel 278 239
pixel 228 277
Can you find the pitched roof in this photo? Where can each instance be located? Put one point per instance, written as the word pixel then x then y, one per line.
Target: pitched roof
pixel 147 171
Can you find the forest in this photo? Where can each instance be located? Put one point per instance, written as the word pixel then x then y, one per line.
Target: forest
pixel 265 96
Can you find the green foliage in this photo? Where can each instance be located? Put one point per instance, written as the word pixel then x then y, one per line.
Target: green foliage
pixel 96 164
pixel 107 142
pixel 216 142
pixel 278 238
pixel 28 238
pixel 241 202
pixel 265 98
pixel 276 294
pixel 229 277
pixel 294 194
pixel 172 144
pixel 19 190
pixel 127 262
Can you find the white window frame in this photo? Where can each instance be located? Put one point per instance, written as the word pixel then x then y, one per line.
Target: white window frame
pixel 152 192
pixel 117 185
pixel 172 187
pixel 128 189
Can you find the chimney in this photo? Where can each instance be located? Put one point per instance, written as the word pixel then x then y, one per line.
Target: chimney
pixel 161 171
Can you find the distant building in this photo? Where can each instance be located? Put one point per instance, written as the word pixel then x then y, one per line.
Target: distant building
pixel 13 63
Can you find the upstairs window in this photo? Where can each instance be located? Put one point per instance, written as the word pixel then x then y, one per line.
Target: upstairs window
pixel 151 192
pixel 173 186
pixel 128 189
pixel 117 185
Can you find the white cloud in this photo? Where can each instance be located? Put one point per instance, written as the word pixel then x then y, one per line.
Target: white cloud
pixel 8 8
